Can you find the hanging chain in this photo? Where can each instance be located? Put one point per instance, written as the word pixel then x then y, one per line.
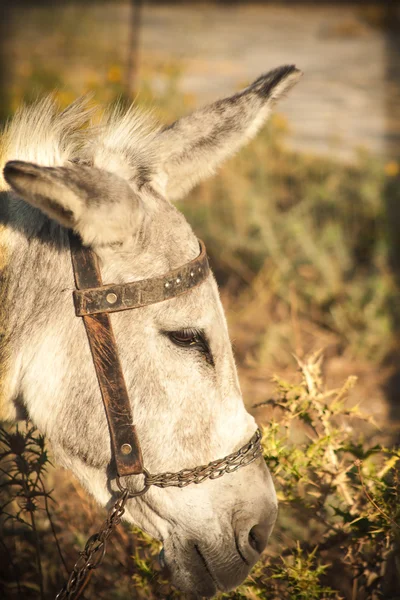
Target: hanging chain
pixel 93 554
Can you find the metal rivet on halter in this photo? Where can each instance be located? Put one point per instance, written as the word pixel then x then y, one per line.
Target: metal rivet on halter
pixel 111 298
pixel 167 284
pixel 191 273
pixel 126 449
pixel 178 280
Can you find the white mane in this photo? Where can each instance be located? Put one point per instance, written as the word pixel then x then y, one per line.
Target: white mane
pixel 123 142
pixel 41 133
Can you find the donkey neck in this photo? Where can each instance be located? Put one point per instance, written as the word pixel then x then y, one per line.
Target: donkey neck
pixel 36 277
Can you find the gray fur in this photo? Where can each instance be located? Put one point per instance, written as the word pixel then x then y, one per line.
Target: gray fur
pixel 112 184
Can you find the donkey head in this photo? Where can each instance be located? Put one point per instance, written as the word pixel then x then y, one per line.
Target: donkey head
pixel 176 355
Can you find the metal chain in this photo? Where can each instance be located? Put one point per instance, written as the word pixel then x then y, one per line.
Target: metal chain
pixel 93 554
pixel 215 469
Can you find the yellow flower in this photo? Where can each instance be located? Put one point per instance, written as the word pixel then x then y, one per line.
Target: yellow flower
pixel 114 74
pixel 392 168
pixel 25 69
pixel 15 103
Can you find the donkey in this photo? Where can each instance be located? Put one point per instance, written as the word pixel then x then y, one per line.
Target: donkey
pixel 113 185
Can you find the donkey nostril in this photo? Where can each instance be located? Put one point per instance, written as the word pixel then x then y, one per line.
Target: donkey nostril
pixel 258 538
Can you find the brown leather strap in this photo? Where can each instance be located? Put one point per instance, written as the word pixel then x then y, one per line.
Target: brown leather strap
pixel 116 297
pixel 124 441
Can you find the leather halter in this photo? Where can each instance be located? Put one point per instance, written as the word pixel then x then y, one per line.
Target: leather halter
pixel 114 298
pixel 93 301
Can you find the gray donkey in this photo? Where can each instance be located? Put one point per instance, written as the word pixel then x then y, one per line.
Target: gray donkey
pixel 113 185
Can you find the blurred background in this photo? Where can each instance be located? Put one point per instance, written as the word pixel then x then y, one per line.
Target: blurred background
pixel 302 226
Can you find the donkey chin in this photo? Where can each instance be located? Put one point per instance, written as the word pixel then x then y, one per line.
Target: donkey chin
pixel 203 568
pixel 218 533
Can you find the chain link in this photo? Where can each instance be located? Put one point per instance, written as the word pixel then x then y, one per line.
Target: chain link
pixel 215 469
pixel 93 554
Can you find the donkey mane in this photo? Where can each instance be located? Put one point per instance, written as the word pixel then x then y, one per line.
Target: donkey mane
pixel 120 142
pixel 41 133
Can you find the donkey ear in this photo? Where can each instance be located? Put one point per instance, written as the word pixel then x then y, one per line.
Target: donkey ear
pixel 44 188
pixel 193 147
pixel 98 205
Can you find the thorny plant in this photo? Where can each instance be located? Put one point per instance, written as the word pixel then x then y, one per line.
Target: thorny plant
pixel 338 534
pixel 24 460
pixel 339 497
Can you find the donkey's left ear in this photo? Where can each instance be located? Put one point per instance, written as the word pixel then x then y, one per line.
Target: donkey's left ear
pixel 98 205
pixel 193 147
pixel 44 188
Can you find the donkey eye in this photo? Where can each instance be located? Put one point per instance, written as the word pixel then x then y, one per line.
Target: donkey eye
pixel 192 338
pixel 185 337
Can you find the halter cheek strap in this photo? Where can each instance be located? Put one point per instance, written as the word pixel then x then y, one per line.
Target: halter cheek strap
pixel 124 441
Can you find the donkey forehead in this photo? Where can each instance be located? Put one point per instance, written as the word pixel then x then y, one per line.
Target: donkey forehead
pixel 165 241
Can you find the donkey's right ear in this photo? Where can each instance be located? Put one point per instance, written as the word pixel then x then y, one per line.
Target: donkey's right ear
pixel 45 188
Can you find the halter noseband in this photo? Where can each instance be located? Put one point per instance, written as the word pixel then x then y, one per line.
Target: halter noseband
pixel 93 301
